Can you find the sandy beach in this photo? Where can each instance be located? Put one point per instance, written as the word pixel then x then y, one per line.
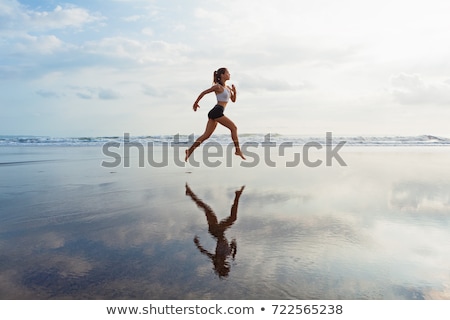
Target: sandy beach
pixel 377 228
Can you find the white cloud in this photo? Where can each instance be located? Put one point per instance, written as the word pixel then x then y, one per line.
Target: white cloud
pixel 261 83
pixel 138 51
pixel 39 44
pixel 48 94
pixel 29 32
pixel 147 32
pixel 132 18
pixel 412 89
pixel 89 93
pixel 10 8
pixel 18 17
pixel 153 91
pixel 69 16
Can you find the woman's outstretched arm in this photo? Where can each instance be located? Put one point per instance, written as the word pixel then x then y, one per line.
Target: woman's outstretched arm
pixel 205 92
pixel 202 250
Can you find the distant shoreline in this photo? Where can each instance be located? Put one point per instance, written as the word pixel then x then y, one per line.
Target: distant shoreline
pixel 224 139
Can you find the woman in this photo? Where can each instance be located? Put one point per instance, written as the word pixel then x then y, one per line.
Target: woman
pixel 224 93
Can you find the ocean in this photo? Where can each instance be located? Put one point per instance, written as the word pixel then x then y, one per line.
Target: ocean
pixel 224 139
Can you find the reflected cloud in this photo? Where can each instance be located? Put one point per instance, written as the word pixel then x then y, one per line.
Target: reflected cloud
pixel 270 197
pixel 435 294
pixel 416 195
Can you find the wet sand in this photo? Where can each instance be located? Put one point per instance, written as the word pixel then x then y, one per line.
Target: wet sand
pixel 377 228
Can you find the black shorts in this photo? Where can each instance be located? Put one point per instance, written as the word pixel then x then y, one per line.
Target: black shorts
pixel 216 112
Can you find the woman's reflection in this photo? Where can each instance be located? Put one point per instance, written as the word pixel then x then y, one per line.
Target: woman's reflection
pixel 224 249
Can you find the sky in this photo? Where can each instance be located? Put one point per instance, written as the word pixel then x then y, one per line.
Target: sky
pixel 104 68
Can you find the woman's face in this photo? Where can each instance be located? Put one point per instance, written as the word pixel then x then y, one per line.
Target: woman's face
pixel 226 75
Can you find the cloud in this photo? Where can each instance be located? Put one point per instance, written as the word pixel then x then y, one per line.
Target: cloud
pixel 30 32
pixel 18 17
pixel 48 94
pixel 154 91
pixel 39 44
pixel 132 18
pixel 85 96
pixel 147 31
pixel 69 16
pixel 88 93
pixel 412 89
pixel 256 83
pixel 107 94
pixel 138 51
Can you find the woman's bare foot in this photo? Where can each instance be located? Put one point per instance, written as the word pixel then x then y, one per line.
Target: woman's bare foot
pixel 239 153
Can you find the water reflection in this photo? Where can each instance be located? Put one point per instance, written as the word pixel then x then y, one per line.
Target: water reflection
pixel 376 229
pixel 224 248
pixel 421 196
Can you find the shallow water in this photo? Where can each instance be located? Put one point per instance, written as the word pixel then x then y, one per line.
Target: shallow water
pixel 377 228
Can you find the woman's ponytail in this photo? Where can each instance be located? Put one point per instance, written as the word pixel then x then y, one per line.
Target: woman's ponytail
pixel 217 74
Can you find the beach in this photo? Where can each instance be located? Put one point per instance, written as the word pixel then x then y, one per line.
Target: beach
pixel 76 225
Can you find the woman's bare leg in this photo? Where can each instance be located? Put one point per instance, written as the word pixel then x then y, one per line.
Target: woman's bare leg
pixel 230 125
pixel 210 127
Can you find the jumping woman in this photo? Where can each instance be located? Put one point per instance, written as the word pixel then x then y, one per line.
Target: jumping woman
pixel 224 93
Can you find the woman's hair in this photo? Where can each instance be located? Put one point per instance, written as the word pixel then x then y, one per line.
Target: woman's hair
pixel 217 74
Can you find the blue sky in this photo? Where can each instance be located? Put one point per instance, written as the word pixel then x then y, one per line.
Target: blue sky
pixel 98 68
